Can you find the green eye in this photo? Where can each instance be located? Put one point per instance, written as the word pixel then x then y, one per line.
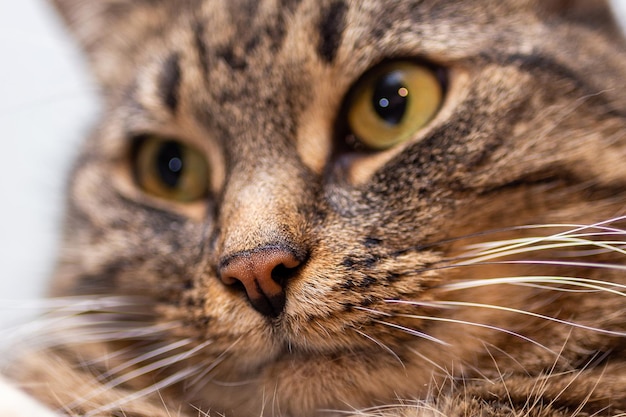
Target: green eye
pixel 170 169
pixel 392 103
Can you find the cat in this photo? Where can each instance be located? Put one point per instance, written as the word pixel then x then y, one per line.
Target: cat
pixel 323 208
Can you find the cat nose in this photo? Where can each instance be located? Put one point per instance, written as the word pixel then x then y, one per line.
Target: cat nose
pixel 264 273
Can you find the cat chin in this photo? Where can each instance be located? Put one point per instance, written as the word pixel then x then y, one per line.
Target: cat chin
pixel 311 385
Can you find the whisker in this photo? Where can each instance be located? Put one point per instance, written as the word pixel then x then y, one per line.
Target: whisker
pixel 100 334
pixel 443 370
pixel 166 382
pixel 573 228
pixel 380 344
pixel 470 323
pixel 382 410
pixel 579 236
pixel 591 284
pixel 140 345
pixel 213 364
pixel 155 366
pixel 80 319
pixel 490 256
pixel 529 244
pixel 531 314
pixel 206 367
pixel 45 333
pixel 412 332
pixel 144 357
pixel 164 404
pixel 559 289
pixel 566 263
pixel 152 367
pixel 200 412
pixel 511 357
pixel 75 304
pixel 525 240
pixel 404 329
pixel 501 252
pixel 541 384
pixel 501 377
pixel 569 384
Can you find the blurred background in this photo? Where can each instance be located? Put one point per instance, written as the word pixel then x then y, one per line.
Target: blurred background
pixel 47 103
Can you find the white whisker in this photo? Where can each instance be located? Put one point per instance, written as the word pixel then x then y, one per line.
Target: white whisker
pixel 101 334
pixel 511 357
pixel 81 319
pixel 501 252
pixel 204 369
pixel 412 332
pixel 444 371
pixel 371 310
pixel 124 352
pixel 164 383
pixel 470 323
pixel 541 383
pixel 558 288
pixel 383 410
pixel 45 333
pixel 200 412
pixel 154 366
pixel 144 357
pixel 565 388
pixel 404 329
pixel 76 304
pixel 214 363
pixel 501 377
pixel 164 404
pixel 578 236
pixel 380 344
pixel 590 284
pixel 531 314
pixel 573 230
pixel 566 263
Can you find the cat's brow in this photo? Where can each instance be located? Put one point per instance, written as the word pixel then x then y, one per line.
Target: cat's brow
pixel 331 26
pixel 201 48
pixel 169 82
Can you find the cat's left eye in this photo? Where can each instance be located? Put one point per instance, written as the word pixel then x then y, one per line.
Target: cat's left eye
pixel 170 169
pixel 391 103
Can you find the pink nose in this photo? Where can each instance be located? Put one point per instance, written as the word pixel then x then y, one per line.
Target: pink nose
pixel 263 273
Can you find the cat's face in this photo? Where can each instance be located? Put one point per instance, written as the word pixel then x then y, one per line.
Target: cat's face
pixel 300 235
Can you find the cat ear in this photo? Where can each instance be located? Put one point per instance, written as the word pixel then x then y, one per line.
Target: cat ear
pixel 89 20
pixel 102 28
pixel 597 14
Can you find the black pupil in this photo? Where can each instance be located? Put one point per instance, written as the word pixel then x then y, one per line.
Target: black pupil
pixel 390 97
pixel 170 163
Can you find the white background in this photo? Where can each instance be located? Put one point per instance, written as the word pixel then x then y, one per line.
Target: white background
pixel 46 104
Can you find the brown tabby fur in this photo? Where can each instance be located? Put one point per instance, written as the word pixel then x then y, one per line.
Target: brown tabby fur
pixel 532 132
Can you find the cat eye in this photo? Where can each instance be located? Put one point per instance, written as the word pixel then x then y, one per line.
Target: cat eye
pixel 168 168
pixel 391 103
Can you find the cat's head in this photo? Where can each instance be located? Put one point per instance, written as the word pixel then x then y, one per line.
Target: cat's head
pixel 294 187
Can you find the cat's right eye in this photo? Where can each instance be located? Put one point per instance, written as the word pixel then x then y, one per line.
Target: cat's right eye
pixel 170 169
